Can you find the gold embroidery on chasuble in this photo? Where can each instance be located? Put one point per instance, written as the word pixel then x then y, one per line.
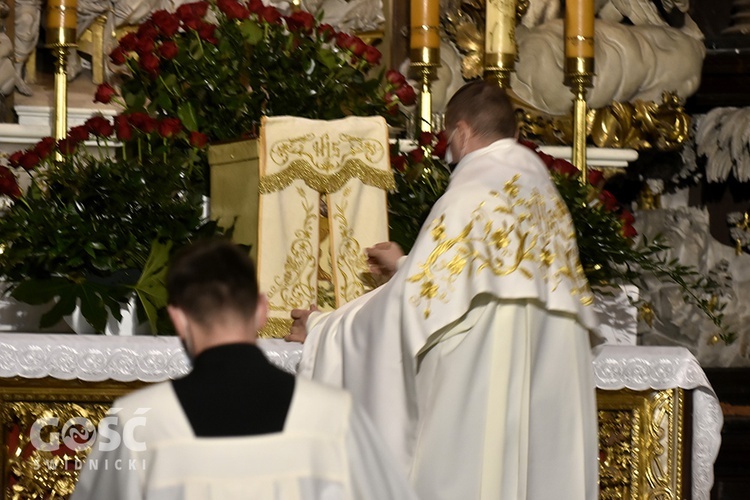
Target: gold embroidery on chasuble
pixel 506 235
pixel 334 175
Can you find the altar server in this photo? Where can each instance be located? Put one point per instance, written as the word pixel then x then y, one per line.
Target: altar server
pixel 236 427
pixel 474 359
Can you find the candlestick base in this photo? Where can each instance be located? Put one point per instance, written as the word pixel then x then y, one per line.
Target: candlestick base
pixel 425 62
pixel 498 68
pixel 61 90
pixel 579 75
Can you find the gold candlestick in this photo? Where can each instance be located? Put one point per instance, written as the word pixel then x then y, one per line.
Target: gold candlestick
pixel 424 62
pixel 500 41
pixel 62 19
pixel 579 73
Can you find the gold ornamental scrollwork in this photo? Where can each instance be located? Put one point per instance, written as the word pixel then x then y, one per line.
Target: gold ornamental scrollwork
pixel 639 125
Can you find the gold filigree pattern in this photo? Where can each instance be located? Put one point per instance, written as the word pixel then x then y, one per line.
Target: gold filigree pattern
pixel 327 183
pixel 350 259
pixel 294 288
pixel 503 246
pixel 276 328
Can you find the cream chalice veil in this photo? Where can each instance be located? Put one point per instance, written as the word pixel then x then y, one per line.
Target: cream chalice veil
pixel 473 360
pixel 344 163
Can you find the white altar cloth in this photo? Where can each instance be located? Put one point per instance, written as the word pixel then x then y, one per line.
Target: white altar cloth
pixel 154 359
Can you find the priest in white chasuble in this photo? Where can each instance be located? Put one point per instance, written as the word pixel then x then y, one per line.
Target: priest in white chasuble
pixel 236 427
pixel 473 360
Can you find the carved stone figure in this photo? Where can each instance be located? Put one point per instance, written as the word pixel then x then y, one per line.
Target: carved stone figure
pixel 349 15
pixel 28 14
pixel 7 71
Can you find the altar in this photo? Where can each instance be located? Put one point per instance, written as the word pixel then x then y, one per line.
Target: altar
pixel 660 421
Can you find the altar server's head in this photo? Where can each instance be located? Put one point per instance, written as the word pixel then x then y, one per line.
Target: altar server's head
pixel 477 115
pixel 213 296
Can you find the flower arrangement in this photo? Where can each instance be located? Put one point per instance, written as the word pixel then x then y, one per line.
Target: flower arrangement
pixel 605 232
pixel 220 66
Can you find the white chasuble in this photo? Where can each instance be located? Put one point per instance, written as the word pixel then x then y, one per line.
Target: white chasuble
pixel 473 360
pixel 319 178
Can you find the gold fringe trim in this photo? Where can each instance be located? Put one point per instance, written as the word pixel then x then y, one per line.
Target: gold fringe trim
pixel 276 328
pixel 327 183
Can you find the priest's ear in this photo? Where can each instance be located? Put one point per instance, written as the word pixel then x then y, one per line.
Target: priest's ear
pixel 179 320
pixel 261 311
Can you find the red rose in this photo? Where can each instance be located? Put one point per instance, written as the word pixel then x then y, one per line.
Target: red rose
pixel 343 40
pixel 123 128
pixel 425 138
pixel 301 21
pixel 8 183
pixel 148 30
pixel 626 217
pixel 129 42
pixel 358 47
pixel 198 139
pixel 29 160
pixel 391 103
pixel 395 78
pixel 142 122
pixel 168 50
pixel 441 146
pixel 326 32
pixel 15 159
pixel 100 126
pixel 416 155
pixel 169 127
pixel 189 11
pixel 44 147
pixel 398 163
pixel 271 15
pixel 67 146
pixel 166 23
pixel 144 45
pixel 564 167
pixel 233 9
pixel 79 133
pixel 628 231
pixel 595 177
pixel 149 63
pixel 608 200
pixel 104 93
pixel 206 32
pixel 118 56
pixel 194 23
pixel 372 55
pixel 255 6
pixel 406 95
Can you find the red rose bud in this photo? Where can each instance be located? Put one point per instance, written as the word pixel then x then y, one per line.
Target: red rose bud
pixel 100 126
pixel 326 32
pixel 357 46
pixel 595 177
pixel 233 9
pixel 629 231
pixel 67 146
pixel 416 155
pixel 8 183
pixel 148 30
pixel 406 95
pixel 343 40
pixel 79 133
pixel 15 159
pixel 145 45
pixel 166 23
pixel 44 147
pixel 441 146
pixel 198 139
pixel 190 11
pixel 608 200
pixel 104 93
pixel 395 78
pixel 168 50
pixel 142 122
pixel 626 217
pixel 398 163
pixel 425 138
pixel 301 21
pixel 169 127
pixel 29 160
pixel 206 32
pixel 372 55
pixel 117 56
pixel 122 128
pixel 149 63
pixel 564 167
pixel 129 42
pixel 255 6
pixel 271 15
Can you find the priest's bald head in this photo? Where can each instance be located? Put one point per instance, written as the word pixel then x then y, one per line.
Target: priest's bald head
pixel 477 115
pixel 213 296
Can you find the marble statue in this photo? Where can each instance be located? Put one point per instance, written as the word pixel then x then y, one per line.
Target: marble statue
pixel 28 15
pixel 7 71
pixel 348 15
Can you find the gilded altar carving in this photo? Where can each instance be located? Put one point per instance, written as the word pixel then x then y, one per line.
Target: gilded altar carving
pixel 641 444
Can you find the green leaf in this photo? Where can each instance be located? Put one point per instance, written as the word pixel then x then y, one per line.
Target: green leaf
pixel 251 31
pixel 65 306
pixel 37 292
pixel 151 287
pixel 186 113
pixel 135 100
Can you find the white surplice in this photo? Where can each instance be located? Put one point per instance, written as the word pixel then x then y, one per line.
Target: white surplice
pixel 327 450
pixel 473 360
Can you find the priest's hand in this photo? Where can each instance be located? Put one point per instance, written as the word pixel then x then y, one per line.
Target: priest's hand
pixel 383 260
pixel 298 331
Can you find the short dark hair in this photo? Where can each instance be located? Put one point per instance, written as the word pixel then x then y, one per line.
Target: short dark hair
pixel 211 277
pixel 485 107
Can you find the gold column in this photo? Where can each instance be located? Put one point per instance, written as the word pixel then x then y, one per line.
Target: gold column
pixel 500 41
pixel 61 35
